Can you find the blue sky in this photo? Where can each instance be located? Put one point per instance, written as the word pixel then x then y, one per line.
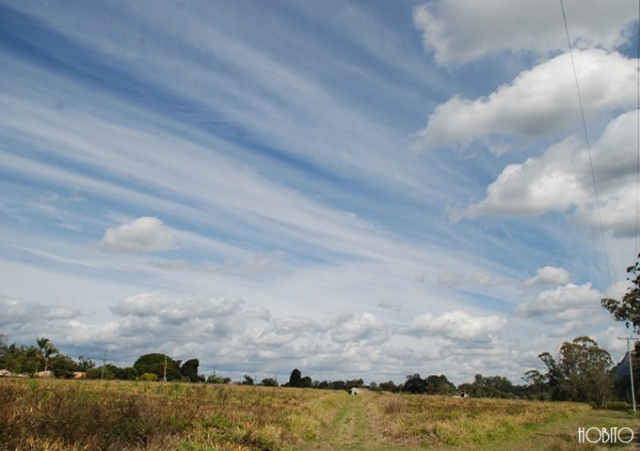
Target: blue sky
pixel 355 189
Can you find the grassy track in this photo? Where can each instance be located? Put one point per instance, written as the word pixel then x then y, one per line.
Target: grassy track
pixel 354 428
pixel 360 424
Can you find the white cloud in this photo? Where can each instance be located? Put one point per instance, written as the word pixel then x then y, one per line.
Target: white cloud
pixel 539 101
pixel 299 220
pixel 177 309
pixel 357 329
pixel 13 312
pixel 459 31
pixel 619 289
pixel 550 275
pixel 562 299
pixel 145 234
pixel 456 325
pixel 561 178
pixel 60 313
pixel 483 279
pixel 539 185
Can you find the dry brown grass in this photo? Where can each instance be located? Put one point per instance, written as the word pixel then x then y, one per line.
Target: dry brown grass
pixel 75 415
pixel 40 415
pixel 458 422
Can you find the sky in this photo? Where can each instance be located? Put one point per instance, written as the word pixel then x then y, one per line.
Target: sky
pixel 357 189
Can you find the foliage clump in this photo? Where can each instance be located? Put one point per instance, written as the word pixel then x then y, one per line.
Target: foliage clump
pixel 627 310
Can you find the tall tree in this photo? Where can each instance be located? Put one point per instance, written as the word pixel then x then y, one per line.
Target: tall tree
pixel 439 385
pixel 190 369
pixel 46 349
pixel 155 363
pixel 415 384
pixel 295 379
pixel 627 310
pixel 580 372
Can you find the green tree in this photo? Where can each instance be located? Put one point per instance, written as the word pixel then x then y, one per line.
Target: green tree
pixel 580 372
pixel 269 382
pixel 127 373
pixel 415 384
pixel 155 363
pixel 85 364
pixel 46 350
pixel 306 382
pixel 4 351
pixel 63 366
pixel 22 360
pixel 149 377
pixel 388 386
pixel 439 385
pixel 489 387
pixel 190 369
pixel 295 379
pixel 537 384
pixel 213 379
pixel 628 309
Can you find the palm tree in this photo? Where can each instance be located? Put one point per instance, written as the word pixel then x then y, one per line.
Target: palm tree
pixel 46 349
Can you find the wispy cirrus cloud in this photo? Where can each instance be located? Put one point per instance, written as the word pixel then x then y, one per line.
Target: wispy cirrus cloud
pixel 182 174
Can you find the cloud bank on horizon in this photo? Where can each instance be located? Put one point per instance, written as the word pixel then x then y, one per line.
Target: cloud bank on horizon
pixel 354 189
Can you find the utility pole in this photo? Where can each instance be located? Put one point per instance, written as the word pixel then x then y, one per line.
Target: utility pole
pixel 633 390
pixel 104 362
pixel 165 368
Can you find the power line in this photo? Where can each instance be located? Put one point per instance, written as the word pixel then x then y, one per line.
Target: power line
pixel 586 137
pixel 637 133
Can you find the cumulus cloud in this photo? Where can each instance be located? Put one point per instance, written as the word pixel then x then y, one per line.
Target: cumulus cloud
pixel 357 329
pixel 13 312
pixel 561 178
pixel 456 325
pixel 459 31
pixel 561 301
pixel 145 234
pixel 552 182
pixel 177 309
pixel 538 101
pixel 619 289
pixel 550 275
pixel 61 313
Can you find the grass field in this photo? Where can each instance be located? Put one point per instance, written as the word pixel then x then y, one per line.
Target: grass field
pixel 95 415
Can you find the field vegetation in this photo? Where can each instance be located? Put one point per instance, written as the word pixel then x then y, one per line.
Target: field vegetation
pixel 58 415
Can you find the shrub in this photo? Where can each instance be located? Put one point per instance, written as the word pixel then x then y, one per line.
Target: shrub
pixel 149 377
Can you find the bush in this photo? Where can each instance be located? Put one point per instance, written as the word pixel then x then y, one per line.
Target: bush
pixel 149 377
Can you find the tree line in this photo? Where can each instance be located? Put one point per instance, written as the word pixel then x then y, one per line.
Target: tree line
pixel 581 371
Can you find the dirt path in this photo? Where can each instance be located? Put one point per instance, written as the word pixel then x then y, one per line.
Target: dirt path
pixel 354 428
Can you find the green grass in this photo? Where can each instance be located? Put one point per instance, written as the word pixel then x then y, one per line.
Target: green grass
pixel 95 415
